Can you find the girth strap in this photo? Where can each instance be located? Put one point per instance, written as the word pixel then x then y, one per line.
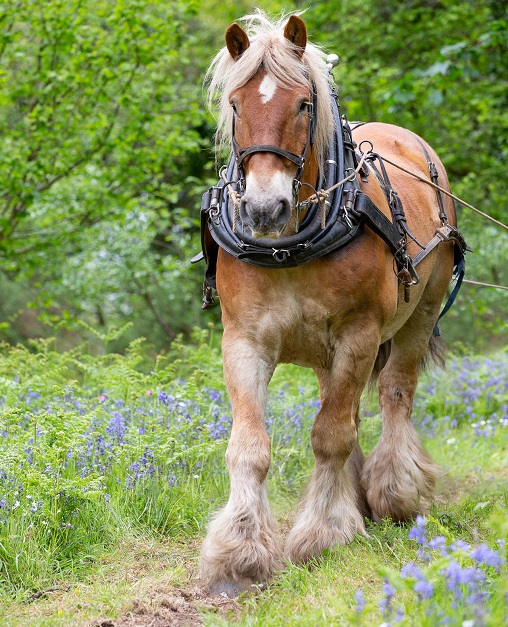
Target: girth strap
pixel 459 275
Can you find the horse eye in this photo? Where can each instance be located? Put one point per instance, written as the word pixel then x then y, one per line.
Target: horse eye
pixel 233 106
pixel 304 106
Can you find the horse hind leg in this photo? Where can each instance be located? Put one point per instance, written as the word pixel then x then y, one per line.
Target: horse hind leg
pixel 241 547
pixel 398 472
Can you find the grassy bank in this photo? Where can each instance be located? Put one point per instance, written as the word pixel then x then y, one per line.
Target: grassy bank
pixel 110 467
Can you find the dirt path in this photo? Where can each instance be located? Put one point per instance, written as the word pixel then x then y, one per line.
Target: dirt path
pixel 177 608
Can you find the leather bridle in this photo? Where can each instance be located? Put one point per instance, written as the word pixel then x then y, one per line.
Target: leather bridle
pixel 241 153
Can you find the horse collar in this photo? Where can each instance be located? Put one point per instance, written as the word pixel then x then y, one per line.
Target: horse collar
pixel 312 240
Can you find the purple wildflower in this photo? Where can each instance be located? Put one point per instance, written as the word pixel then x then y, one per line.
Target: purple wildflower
pixel 418 533
pixel 460 545
pixel 116 427
pixel 385 605
pixel 439 542
pixel 360 601
pixel 457 576
pixel 485 555
pixel 423 588
pixel 399 614
pixel 163 398
pixel 214 396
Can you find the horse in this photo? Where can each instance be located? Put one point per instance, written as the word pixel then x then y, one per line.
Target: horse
pixel 345 314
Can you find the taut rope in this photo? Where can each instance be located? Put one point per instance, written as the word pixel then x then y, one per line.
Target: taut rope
pixel 459 200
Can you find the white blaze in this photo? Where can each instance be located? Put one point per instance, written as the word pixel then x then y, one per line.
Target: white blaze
pixel 267 89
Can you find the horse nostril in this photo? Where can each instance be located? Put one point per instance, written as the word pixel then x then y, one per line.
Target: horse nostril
pixel 244 213
pixel 282 213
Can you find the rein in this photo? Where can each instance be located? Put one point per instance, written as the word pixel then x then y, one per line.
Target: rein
pixel 444 191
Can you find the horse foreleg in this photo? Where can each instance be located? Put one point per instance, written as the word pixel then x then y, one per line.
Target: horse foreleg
pixel 241 547
pixel 332 510
pixel 398 471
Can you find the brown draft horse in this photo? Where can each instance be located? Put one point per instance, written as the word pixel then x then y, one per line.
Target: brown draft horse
pixel 335 314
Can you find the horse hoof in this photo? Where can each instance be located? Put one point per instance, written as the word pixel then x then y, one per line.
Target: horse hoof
pixel 231 589
pixel 225 589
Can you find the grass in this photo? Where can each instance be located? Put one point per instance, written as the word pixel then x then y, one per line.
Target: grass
pixel 110 467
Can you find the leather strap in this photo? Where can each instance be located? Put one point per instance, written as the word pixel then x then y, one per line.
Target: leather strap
pixel 434 177
pixel 298 160
pixel 378 222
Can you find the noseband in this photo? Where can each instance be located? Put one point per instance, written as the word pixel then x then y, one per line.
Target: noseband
pixel 241 153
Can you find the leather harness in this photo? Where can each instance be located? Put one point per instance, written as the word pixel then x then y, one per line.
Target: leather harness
pixel 347 210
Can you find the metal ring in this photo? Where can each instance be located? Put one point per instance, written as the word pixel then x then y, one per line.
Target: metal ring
pixel 366 141
pixel 352 176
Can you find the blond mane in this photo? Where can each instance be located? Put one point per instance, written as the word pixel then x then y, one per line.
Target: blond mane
pixel 278 56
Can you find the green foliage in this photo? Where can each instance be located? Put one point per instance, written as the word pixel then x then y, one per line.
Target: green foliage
pixel 97 448
pixel 102 138
pixel 106 147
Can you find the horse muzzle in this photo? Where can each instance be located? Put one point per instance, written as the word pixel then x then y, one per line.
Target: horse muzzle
pixel 265 217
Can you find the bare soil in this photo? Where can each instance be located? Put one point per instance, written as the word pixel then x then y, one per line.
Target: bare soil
pixel 178 608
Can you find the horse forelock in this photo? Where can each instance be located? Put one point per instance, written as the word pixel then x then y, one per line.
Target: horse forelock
pixel 275 54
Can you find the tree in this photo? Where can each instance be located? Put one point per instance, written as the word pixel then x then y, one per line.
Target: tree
pixel 102 136
pixel 439 68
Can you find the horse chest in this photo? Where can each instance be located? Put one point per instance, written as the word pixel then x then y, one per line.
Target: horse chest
pixel 303 331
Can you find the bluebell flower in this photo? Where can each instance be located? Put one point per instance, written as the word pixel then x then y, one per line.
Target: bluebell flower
pixel 423 588
pixel 460 545
pixel 418 533
pixel 214 396
pixel 360 601
pixel 385 604
pixel 411 570
pixel 439 542
pixel 162 397
pixel 457 576
pixel 116 427
pixel 485 555
pixel 399 615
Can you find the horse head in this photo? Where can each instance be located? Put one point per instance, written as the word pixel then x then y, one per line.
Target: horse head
pixel 271 83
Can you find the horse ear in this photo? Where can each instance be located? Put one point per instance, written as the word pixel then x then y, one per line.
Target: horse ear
pixel 237 40
pixel 296 31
